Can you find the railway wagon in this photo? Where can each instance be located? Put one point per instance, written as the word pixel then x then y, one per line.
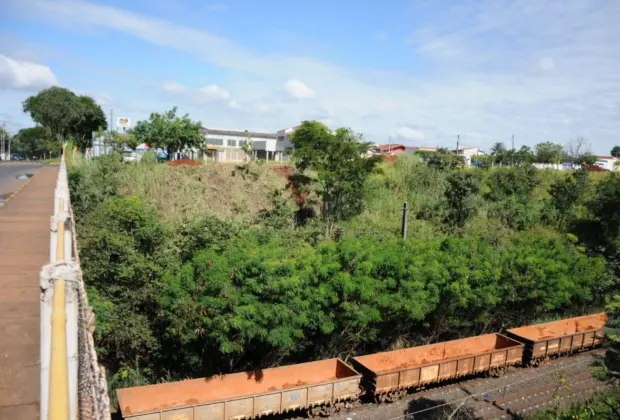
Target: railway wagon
pixel 317 386
pixel 557 338
pixel 388 375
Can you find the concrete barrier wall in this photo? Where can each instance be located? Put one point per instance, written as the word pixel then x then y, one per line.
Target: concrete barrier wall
pixel 73 385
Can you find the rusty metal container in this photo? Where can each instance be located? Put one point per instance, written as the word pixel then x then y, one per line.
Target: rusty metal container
pixel 396 370
pixel 560 337
pixel 243 395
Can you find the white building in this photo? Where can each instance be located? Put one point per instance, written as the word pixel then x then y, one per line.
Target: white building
pixel 468 153
pixel 284 140
pixel 265 145
pixel 606 162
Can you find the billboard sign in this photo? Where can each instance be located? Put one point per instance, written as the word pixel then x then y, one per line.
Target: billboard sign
pixel 123 122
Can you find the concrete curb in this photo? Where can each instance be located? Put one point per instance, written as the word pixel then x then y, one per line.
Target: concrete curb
pixel 14 193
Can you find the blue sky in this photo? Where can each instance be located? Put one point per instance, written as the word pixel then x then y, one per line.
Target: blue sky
pixel 418 71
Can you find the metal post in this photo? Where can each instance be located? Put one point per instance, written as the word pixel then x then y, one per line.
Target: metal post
pixel 404 224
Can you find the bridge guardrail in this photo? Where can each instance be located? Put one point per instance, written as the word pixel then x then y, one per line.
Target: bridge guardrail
pixel 73 385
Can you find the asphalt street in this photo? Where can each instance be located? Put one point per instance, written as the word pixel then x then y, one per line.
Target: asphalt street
pixel 10 171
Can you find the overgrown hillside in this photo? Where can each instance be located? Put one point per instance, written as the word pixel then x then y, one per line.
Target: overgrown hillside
pixel 201 270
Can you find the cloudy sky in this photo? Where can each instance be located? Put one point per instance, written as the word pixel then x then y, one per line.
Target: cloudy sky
pixel 418 71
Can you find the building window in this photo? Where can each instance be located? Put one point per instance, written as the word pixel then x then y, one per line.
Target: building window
pixel 215 142
pixel 232 143
pixel 242 142
pixel 280 138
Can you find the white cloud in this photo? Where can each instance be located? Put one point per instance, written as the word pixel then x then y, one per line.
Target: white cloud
pixel 483 62
pixel 299 90
pixel 214 92
pixel 546 64
pixel 24 75
pixel 234 104
pixel 408 133
pixel 173 87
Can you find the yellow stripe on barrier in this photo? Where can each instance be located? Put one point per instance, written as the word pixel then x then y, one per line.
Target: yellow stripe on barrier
pixel 59 376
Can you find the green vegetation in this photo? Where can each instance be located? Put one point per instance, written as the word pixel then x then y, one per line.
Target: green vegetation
pixel 215 269
pixel 168 131
pixel 65 116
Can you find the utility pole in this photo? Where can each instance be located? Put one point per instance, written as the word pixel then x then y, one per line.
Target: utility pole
pixel 458 139
pixel 390 145
pixel 2 141
pixel 111 119
pixel 513 150
pixel 403 230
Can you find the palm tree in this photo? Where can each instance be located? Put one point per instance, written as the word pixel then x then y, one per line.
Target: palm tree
pixel 498 148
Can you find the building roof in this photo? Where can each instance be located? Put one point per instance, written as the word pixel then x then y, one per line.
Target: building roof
pixel 606 157
pixel 253 134
pixel 388 147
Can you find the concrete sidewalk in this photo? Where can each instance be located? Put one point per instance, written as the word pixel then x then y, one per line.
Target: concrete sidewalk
pixel 24 249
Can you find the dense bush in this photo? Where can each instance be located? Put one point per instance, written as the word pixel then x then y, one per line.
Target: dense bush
pixel 187 293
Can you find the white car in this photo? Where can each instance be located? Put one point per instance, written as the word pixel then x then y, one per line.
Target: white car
pixel 129 156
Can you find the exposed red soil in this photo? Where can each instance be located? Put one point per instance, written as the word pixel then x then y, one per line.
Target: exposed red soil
pixel 187 162
pixel 286 171
pixel 562 327
pixel 216 388
pixel 389 158
pixel 413 356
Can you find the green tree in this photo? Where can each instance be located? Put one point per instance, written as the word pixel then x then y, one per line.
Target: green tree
pixel 124 260
pixel 605 207
pixel 460 198
pixel 90 119
pixel 524 156
pixel 335 166
pixel 612 357
pixel 566 193
pixel 506 182
pixel 169 131
pixel 443 159
pixel 498 148
pixel 549 152
pixel 66 114
pixel 34 142
pixel 615 151
pixel 56 108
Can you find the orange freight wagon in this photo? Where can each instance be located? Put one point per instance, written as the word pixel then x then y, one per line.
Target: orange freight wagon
pixel 559 337
pixel 246 395
pixel 388 375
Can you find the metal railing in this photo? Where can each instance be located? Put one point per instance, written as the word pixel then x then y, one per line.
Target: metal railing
pixel 73 385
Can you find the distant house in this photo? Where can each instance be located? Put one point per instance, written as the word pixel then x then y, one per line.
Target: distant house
pixel 468 153
pixel 606 162
pixel 390 149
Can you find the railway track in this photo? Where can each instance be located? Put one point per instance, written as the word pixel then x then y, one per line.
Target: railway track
pixel 520 391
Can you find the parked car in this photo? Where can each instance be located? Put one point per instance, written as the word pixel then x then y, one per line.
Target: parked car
pixel 130 156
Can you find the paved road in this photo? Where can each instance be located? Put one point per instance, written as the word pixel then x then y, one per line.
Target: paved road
pixel 24 249
pixel 9 172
